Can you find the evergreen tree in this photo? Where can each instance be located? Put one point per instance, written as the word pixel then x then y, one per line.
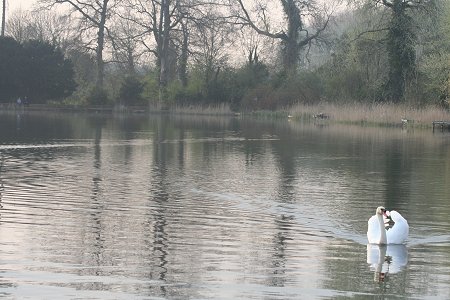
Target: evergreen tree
pixel 35 69
pixel 400 46
pixel 49 76
pixel 10 69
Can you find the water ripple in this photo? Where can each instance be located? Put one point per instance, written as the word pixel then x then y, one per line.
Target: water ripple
pixel 164 212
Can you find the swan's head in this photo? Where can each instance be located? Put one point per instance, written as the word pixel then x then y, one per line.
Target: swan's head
pixel 381 210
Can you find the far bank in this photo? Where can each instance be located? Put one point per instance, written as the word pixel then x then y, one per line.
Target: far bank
pixel 379 114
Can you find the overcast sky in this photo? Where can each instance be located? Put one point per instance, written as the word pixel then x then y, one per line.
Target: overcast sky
pixel 12 5
pixel 15 4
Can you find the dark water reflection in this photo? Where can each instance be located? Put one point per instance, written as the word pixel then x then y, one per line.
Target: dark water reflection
pixel 151 207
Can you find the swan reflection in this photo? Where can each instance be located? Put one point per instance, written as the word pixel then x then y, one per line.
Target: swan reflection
pixel 384 259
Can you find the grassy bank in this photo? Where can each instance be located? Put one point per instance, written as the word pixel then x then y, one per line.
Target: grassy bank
pixel 376 114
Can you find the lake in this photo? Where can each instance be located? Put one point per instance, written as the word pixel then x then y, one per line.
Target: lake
pixel 191 207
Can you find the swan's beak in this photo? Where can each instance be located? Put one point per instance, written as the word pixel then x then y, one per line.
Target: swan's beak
pixel 386 213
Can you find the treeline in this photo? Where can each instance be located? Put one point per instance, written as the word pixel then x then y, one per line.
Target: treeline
pixel 34 70
pixel 265 56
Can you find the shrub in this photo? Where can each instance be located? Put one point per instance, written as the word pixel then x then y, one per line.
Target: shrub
pixel 150 88
pixel 284 91
pixel 130 92
pixel 97 96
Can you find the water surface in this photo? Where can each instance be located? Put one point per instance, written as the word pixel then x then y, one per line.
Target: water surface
pixel 159 207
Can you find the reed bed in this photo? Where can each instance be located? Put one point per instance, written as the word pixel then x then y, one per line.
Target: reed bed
pixel 381 114
pixel 219 109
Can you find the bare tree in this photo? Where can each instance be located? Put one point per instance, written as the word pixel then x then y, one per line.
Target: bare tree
pixel 45 26
pixel 18 26
pixel 170 23
pixel 93 16
pixel 199 18
pixel 305 21
pixel 127 48
pixel 159 19
pixel 255 47
pixel 209 45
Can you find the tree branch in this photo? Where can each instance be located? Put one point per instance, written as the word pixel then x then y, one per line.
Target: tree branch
pixel 369 31
pixel 387 3
pixel 248 21
pixel 308 39
pixel 78 7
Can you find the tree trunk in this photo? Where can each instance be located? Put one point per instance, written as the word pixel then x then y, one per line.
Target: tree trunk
pixel 164 54
pixel 182 73
pixel 100 45
pixel 291 47
pixel 3 17
pixel 165 4
pixel 130 61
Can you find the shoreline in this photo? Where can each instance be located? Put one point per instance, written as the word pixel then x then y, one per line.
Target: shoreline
pixel 384 115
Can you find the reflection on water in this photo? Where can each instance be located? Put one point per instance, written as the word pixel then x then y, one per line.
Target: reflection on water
pixel 386 259
pixel 150 207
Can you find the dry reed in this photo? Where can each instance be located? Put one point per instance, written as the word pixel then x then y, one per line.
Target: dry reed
pixel 219 109
pixel 388 114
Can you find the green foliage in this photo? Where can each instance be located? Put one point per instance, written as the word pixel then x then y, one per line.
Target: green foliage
pixel 258 97
pixel 434 63
pixel 199 91
pixel 401 41
pixel 151 87
pixel 84 67
pixel 248 83
pixel 373 64
pixel 193 92
pixel 221 88
pixel 345 85
pixel 356 71
pixel 283 91
pixel 130 92
pixel 171 92
pixel 379 53
pixel 11 69
pixel 97 96
pixel 249 87
pixel 34 69
pixel 253 74
pixel 48 75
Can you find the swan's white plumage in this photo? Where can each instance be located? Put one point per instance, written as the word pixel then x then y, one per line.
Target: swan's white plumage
pixel 399 232
pixel 396 235
pixel 373 230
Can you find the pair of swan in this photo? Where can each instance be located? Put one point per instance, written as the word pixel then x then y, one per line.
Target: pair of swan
pixel 387 227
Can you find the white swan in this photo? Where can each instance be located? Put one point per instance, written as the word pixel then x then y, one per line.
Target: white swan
pixel 380 231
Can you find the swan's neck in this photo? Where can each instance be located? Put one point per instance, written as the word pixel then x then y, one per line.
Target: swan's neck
pixel 383 238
